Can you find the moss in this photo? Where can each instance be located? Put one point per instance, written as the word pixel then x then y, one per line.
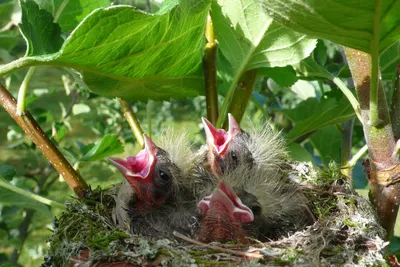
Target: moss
pixel 346 224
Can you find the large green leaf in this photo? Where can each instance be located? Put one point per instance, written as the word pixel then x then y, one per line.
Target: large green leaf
pixel 327 112
pixel 68 14
pixel 41 34
pixel 109 145
pixel 249 39
pixel 126 53
pixel 355 24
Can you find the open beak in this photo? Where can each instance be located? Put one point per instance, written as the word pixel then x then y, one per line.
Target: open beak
pixel 219 139
pixel 226 196
pixel 138 169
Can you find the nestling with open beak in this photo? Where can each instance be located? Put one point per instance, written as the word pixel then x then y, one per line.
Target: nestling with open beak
pixel 156 198
pixel 223 216
pixel 228 149
pixel 252 203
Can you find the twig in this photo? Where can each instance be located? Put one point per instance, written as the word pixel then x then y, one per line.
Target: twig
pixel 33 130
pixel 226 250
pixel 132 120
pixel 210 73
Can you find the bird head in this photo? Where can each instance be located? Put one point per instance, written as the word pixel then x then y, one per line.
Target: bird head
pixel 226 149
pixel 223 216
pixel 149 173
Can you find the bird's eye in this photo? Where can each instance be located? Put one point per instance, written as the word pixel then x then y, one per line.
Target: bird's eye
pixel 233 156
pixel 256 210
pixel 164 175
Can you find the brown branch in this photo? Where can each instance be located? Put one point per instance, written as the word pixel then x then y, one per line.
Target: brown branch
pixel 210 73
pixel 33 130
pixel 384 170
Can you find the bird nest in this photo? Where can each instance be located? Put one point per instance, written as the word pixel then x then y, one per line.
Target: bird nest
pixel 346 232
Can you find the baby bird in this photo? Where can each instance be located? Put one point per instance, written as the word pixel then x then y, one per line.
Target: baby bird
pixel 223 216
pixel 228 149
pixel 260 206
pixel 156 197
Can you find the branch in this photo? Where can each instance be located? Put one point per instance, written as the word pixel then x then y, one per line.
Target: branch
pixel 385 168
pixel 132 120
pixel 33 130
pixel 242 94
pixel 210 73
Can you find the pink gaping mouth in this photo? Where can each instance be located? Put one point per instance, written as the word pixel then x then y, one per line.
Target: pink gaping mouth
pixel 225 195
pixel 219 138
pixel 139 167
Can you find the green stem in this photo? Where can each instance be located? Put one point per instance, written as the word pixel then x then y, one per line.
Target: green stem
pixel 22 91
pixel 242 95
pixel 374 111
pixel 132 120
pixel 30 195
pixel 357 156
pixel 210 73
pixel 16 65
pixel 347 135
pixel 349 95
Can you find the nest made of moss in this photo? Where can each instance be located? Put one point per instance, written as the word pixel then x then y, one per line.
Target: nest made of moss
pixel 347 232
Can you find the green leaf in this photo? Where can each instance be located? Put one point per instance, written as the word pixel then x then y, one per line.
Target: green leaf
pixel 309 68
pixel 299 153
pixel 327 141
pixel 389 61
pixel 284 76
pixel 327 112
pixel 355 24
pixel 41 34
pixel 109 145
pixel 6 11
pixel 7 172
pixel 250 43
pixel 68 14
pixel 304 110
pixel 130 54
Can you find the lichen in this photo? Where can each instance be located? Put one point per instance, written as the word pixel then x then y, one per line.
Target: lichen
pixel 346 231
